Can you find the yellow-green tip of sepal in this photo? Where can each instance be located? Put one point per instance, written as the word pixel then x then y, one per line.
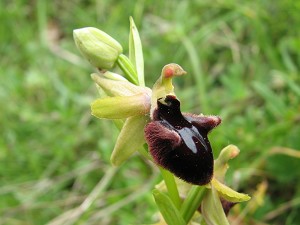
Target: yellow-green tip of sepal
pixel 100 49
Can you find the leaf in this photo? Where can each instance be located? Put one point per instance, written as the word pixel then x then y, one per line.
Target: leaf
pixel 130 139
pixel 274 102
pixel 167 208
pixel 212 210
pixel 192 202
pixel 136 52
pixel 229 194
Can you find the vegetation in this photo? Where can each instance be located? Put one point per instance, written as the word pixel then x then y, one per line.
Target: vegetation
pixel 243 64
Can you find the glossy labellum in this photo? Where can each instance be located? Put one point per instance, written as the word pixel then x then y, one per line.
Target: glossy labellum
pixel 178 142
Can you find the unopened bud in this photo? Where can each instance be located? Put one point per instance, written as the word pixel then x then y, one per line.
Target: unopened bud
pixel 100 49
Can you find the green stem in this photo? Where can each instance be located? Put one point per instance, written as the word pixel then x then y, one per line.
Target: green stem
pixel 171 187
pixel 192 202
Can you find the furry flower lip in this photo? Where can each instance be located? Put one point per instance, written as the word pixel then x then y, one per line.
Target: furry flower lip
pixel 179 143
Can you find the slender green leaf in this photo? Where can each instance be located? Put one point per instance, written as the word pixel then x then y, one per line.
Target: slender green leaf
pixel 168 209
pixel 192 202
pixel 171 186
pixel 274 103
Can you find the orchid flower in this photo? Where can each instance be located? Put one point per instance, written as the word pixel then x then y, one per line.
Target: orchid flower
pixel 177 142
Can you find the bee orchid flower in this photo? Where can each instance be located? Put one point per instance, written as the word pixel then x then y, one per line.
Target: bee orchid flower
pixel 177 141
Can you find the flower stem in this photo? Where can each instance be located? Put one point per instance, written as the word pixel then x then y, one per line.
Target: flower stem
pixel 192 202
pixel 171 187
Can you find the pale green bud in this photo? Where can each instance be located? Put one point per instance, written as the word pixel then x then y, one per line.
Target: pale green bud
pixel 100 49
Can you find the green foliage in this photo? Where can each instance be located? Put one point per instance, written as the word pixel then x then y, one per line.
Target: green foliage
pixel 242 60
pixel 167 208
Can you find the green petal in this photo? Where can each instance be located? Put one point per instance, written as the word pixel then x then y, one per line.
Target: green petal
pixel 221 163
pixel 212 210
pixel 167 209
pixel 163 86
pixel 118 87
pixel 130 139
pixel 136 52
pixel 229 194
pixel 121 106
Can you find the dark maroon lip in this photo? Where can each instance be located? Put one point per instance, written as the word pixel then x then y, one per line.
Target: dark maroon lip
pixel 179 143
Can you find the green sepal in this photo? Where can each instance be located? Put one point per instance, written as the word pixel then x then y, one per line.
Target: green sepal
pixel 113 76
pixel 130 139
pixel 229 194
pixel 121 106
pixel 118 87
pixel 168 210
pixel 136 52
pixel 212 210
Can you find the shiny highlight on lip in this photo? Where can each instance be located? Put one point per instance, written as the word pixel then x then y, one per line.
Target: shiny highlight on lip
pixel 179 143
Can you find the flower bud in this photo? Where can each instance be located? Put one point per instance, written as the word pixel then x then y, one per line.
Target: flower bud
pixel 100 49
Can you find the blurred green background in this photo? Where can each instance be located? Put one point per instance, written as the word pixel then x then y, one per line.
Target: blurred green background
pixel 243 63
